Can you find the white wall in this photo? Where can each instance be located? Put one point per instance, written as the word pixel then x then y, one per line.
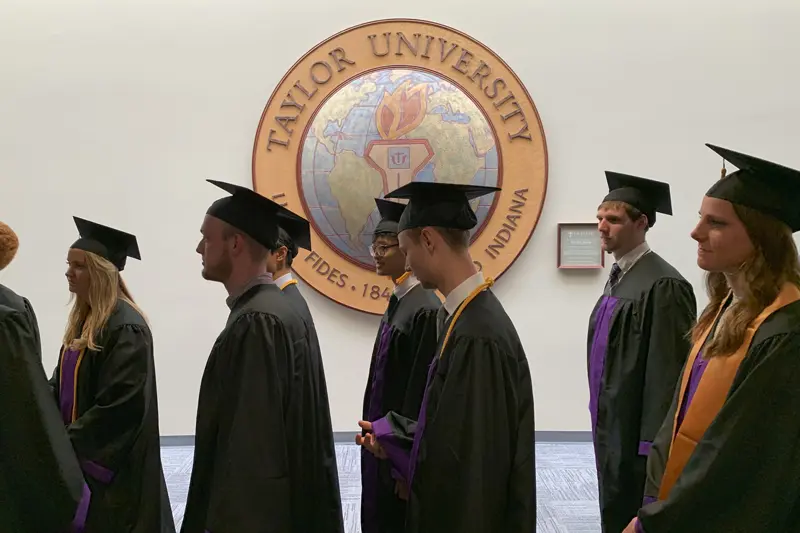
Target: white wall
pixel 117 111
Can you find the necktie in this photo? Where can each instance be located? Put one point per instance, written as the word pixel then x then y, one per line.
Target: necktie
pixel 613 277
pixel 441 319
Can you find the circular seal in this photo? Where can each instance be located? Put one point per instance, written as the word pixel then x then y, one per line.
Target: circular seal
pixel 385 103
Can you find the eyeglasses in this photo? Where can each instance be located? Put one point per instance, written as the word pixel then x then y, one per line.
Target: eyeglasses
pixel 379 250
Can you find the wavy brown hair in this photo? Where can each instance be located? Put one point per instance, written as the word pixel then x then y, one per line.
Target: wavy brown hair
pixel 88 317
pixel 773 263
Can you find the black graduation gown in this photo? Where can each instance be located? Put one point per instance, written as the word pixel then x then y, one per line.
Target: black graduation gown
pixel 475 470
pixel 115 430
pixel 261 449
pixel 41 485
pixel 637 345
pixel 403 350
pixel 315 398
pixel 744 474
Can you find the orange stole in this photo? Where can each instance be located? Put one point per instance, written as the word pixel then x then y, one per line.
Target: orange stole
pixel 290 282
pixel 711 392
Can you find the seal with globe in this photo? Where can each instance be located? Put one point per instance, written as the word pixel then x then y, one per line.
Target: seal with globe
pixel 379 132
pixel 377 106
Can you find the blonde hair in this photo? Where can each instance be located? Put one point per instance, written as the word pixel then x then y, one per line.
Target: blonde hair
pixel 773 263
pixel 9 244
pixel 88 317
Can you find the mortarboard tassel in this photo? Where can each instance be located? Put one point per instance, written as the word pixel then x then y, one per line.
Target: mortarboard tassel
pixel 724 171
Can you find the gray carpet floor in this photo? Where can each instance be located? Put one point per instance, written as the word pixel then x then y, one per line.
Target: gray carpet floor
pixel 566 485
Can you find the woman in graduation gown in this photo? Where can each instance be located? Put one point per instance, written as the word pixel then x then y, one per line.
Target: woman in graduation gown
pixel 41 485
pixel 403 350
pixel 727 458
pixel 105 385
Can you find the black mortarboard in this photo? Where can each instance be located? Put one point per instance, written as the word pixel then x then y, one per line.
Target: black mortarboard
pixel 390 216
pixel 111 244
pixel 294 231
pixel 444 205
pixel 767 187
pixel 648 196
pixel 249 212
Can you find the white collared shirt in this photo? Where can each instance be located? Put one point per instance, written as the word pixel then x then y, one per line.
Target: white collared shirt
pixel 402 289
pixel 283 280
pixel 627 261
pixel 460 293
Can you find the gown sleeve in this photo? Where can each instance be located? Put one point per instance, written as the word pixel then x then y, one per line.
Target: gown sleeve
pixel 659 452
pixel 480 460
pixel 672 312
pixel 395 433
pixel 744 474
pixel 39 460
pixel 104 433
pixel 250 488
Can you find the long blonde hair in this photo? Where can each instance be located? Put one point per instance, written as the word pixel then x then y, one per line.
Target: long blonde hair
pixel 88 317
pixel 773 263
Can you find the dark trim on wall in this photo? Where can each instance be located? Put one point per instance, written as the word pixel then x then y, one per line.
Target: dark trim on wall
pixel 349 436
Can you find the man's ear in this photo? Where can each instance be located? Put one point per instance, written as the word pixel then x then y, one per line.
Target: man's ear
pixel 282 252
pixel 237 244
pixel 427 238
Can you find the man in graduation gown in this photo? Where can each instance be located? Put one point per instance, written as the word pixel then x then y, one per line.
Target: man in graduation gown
pixel 294 233
pixel 637 344
pixel 404 348
pixel 42 488
pixel 469 459
pixel 726 459
pixel 252 468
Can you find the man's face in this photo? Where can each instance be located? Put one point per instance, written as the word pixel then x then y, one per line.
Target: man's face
pixel 419 255
pixel 389 261
pixel 215 249
pixel 617 230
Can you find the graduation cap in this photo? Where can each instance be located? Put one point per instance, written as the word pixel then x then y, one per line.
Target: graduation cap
pixel 109 243
pixel 444 205
pixel 769 188
pixel 390 216
pixel 648 196
pixel 293 231
pixel 249 212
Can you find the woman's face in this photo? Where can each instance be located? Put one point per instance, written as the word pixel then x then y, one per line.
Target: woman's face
pixel 77 273
pixel 723 244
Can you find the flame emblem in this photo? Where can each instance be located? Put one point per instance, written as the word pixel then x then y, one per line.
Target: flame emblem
pixel 401 111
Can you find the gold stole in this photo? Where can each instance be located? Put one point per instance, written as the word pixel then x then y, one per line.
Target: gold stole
pixel 712 391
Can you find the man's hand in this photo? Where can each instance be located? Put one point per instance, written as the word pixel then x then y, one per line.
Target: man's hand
pixel 401 489
pixel 369 441
pixel 631 527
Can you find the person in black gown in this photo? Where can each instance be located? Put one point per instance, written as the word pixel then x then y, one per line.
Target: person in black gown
pixel 41 484
pixel 637 344
pixel 726 459
pixel 294 233
pixel 471 464
pixel 105 386
pixel 258 462
pixel 403 350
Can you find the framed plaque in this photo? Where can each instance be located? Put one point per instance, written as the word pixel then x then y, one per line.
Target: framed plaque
pixel 579 246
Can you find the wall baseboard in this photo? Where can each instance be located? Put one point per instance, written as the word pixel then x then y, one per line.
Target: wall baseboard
pixel 349 436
